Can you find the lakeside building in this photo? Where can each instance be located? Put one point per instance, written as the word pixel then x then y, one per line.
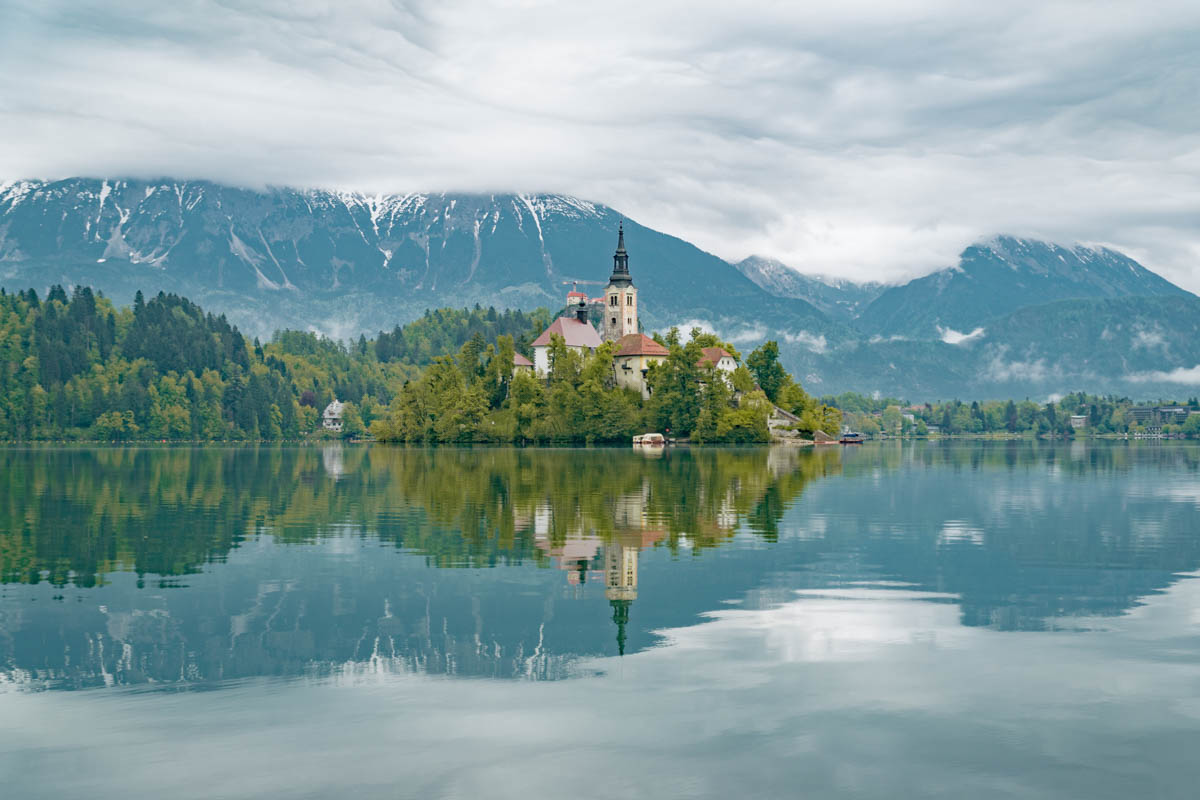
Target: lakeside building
pixel 1079 421
pixel 331 420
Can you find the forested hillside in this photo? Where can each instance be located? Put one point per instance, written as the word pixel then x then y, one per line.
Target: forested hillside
pixel 76 367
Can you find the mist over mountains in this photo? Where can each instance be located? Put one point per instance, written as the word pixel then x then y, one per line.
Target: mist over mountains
pixel 1013 317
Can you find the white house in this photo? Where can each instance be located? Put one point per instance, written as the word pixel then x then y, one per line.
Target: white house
pixel 332 418
pixel 577 334
pixel 719 358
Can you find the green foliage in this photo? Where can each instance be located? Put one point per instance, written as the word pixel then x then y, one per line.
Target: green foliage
pixel 1101 415
pixel 445 330
pixel 767 371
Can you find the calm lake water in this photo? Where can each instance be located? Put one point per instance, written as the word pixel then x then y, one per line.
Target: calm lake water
pixel 920 620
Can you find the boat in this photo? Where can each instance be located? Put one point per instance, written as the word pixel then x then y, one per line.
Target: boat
pixel 851 437
pixel 649 440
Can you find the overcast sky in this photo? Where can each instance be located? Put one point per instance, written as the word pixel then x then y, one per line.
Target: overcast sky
pixel 860 139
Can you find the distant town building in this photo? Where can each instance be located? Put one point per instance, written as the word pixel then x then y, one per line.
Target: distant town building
pixel 1158 415
pixel 635 353
pixel 332 418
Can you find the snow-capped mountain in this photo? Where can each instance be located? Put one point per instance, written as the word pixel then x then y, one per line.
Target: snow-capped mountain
pixel 840 299
pixel 1002 275
pixel 346 263
pixel 1012 318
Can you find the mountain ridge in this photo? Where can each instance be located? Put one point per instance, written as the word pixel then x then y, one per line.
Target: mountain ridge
pixel 345 263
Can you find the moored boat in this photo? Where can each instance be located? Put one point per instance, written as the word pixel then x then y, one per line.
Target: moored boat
pixel 649 440
pixel 851 437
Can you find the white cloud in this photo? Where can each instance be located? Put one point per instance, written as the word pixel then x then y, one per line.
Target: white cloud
pixel 1181 375
pixel 863 139
pixel 1147 340
pixel 815 344
pixel 1001 370
pixel 743 334
pixel 951 336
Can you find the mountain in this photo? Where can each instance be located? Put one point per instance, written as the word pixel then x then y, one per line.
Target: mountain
pixel 1141 347
pixel 1013 317
pixel 344 263
pixel 1000 276
pixel 839 299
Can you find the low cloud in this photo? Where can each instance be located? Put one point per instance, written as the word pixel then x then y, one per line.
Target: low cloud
pixel 1184 376
pixel 810 342
pixel 951 336
pixel 1148 340
pixel 1001 370
pixel 739 335
pixel 860 140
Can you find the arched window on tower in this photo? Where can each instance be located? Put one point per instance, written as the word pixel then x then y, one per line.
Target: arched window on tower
pixel 628 299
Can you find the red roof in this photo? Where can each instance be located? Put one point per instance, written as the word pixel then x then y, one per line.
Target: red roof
pixel 521 361
pixel 712 355
pixel 576 294
pixel 639 344
pixel 574 333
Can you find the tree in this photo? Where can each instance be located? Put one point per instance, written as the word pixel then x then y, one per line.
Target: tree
pixel 768 372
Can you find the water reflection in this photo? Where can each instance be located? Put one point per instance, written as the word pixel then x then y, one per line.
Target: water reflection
pixel 128 566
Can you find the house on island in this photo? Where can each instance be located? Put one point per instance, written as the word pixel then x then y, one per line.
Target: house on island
pixel 332 418
pixel 578 335
pixel 719 358
pixel 521 364
pixel 635 353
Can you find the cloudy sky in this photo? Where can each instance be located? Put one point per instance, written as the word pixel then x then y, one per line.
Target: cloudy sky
pixel 863 139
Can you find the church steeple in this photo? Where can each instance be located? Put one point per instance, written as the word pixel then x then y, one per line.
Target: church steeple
pixel 620 297
pixel 620 272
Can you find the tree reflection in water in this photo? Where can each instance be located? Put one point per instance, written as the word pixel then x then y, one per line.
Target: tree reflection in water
pixel 198 564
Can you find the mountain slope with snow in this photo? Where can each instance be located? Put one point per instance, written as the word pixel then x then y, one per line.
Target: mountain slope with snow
pixel 839 299
pixel 999 277
pixel 345 263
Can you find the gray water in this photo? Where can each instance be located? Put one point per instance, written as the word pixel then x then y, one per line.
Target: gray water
pixel 892 620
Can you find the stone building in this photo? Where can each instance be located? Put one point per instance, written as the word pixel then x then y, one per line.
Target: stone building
pixel 620 296
pixel 635 353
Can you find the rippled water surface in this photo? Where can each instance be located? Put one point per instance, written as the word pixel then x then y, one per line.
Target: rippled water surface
pixel 928 620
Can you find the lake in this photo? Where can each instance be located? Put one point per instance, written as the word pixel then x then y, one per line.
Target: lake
pixel 957 619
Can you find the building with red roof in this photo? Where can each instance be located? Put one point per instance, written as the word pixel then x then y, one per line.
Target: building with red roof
pixel 719 358
pixel 577 334
pixel 521 364
pixel 635 353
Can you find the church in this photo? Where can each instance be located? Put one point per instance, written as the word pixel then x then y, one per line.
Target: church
pixel 618 322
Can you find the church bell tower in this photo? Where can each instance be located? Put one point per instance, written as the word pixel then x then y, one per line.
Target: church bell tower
pixel 620 298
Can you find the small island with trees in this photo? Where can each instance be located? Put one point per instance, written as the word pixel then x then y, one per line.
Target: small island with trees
pixel 76 367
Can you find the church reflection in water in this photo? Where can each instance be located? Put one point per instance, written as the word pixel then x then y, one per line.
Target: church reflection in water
pixel 585 554
pixel 128 566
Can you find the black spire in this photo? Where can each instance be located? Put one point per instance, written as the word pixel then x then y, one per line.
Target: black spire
pixel 621 617
pixel 620 272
